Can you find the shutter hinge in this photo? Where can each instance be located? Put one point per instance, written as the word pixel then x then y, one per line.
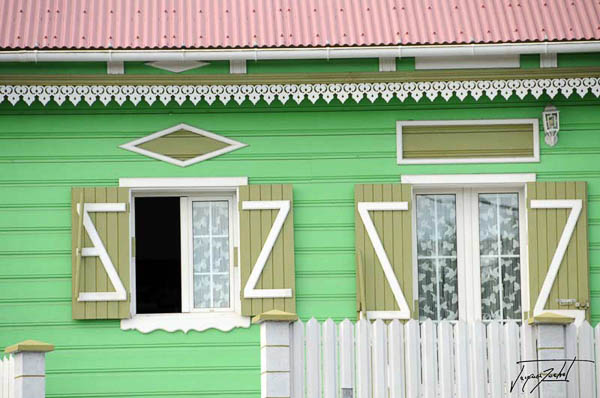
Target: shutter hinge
pixel 235 257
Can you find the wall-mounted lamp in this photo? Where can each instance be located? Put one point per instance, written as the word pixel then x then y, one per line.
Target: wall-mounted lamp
pixel 551 125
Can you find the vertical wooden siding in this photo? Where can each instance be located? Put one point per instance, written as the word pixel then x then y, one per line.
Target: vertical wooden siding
pixel 92 275
pixel 545 227
pixel 279 271
pixel 394 228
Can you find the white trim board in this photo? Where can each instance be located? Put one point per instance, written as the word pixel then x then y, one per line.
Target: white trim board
pixel 199 321
pixel 184 182
pixel 468 62
pixel 133 145
pixel 482 122
pixel 467 179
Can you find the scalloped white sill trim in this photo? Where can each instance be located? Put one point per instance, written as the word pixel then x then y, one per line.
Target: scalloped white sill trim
pixel 299 92
pixel 224 321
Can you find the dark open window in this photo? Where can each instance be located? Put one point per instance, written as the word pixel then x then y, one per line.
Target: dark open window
pixel 158 255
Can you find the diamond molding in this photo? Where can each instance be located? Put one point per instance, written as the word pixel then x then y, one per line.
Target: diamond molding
pixel 298 92
pixel 177 66
pixel 232 145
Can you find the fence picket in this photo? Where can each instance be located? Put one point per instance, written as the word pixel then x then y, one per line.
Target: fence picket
pixel 429 354
pixel 363 359
pixel 446 359
pixel 329 360
pixel 396 358
pixel 495 343
pixel 2 379
pixel 346 351
pixel 5 377
pixel 11 376
pixel 379 359
pixel 478 363
pixel 511 349
pixel 529 351
pixel 571 352
pixel 297 363
pixel 313 358
pixel 413 361
pixel 597 338
pixel 461 341
pixel 585 350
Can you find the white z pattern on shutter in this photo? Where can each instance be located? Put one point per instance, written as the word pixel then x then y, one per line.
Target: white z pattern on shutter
pixel 98 250
pixel 363 210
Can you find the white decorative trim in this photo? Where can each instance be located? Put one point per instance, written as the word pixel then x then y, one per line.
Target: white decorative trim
pixel 363 210
pixel 250 290
pixel 237 66
pixel 575 205
pixel 184 182
pixel 233 145
pixel 177 66
pixel 549 60
pixel 470 62
pixel 298 92
pixel 387 64
pixel 224 321
pixel 535 136
pixel 99 250
pixel 466 179
pixel 115 67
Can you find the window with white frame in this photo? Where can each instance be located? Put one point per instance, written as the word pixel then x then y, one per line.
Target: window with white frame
pixel 183 263
pixel 469 252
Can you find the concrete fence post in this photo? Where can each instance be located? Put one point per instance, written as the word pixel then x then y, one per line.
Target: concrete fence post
pixel 29 368
pixel 551 343
pixel 275 341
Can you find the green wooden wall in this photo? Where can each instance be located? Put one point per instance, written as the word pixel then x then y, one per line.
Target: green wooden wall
pixel 323 150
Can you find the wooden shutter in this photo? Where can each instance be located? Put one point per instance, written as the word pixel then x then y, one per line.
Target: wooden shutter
pixel 89 274
pixel 545 226
pixel 394 229
pixel 279 270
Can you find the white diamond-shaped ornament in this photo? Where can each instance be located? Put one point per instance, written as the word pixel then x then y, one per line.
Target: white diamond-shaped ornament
pixel 232 145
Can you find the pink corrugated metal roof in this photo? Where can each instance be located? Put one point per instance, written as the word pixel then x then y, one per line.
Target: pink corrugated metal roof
pixel 290 23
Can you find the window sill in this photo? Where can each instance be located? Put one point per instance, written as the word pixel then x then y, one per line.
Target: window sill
pixel 224 321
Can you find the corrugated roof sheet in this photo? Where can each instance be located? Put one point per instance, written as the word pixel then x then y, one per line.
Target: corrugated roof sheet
pixel 289 23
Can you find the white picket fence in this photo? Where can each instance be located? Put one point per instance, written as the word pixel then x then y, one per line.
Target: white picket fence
pixel 428 360
pixel 7 378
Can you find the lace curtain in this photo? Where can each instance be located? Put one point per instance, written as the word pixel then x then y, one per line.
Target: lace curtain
pixel 499 252
pixel 436 257
pixel 211 254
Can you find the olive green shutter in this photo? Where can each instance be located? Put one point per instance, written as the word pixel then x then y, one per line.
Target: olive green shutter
pixel 394 229
pixel 544 229
pixel 279 271
pixel 88 273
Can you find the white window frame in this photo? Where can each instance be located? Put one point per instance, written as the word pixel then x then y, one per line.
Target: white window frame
pixel 467 188
pixel 486 122
pixel 201 319
pixel 187 254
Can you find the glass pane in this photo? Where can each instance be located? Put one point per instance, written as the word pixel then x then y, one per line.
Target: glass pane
pixel 436 257
pixel 499 250
pixel 211 254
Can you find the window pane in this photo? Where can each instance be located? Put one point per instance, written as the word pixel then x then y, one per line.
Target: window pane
pixel 499 250
pixel 211 254
pixel 436 257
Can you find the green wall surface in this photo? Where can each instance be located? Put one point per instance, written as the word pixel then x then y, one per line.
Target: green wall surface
pixel 323 150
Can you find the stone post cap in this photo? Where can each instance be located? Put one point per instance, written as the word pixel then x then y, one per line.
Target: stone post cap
pixel 275 315
pixel 29 346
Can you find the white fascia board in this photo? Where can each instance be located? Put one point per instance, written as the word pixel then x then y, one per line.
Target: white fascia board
pixel 184 182
pixel 453 50
pixel 467 62
pixel 467 179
